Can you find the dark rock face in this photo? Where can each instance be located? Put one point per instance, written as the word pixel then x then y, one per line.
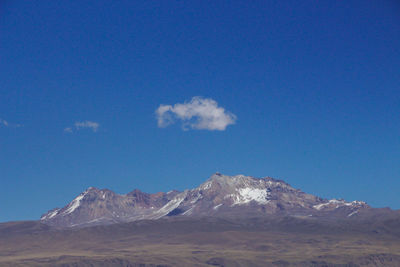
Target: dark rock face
pixel 220 195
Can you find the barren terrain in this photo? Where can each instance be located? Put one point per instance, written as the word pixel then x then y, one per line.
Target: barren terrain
pixel 286 241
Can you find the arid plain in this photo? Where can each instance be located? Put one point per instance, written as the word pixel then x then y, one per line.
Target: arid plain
pixel 275 241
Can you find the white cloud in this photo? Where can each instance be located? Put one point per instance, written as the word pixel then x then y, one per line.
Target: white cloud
pixel 87 124
pixel 3 122
pixel 198 113
pixel 94 126
pixel 68 130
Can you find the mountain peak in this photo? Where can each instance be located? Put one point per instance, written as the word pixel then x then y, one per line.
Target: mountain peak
pixel 219 177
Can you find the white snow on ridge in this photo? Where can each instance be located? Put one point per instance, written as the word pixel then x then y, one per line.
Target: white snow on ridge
pixel 199 196
pixel 50 215
pixel 216 207
pixel 75 203
pixel 338 203
pixel 249 194
pixel 206 185
pixel 171 205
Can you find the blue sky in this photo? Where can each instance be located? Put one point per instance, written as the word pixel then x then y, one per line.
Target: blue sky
pixel 306 92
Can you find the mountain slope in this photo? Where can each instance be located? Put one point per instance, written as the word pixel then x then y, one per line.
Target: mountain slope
pixel 220 195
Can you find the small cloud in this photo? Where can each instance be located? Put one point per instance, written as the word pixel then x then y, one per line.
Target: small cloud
pixel 3 122
pixel 94 126
pixel 87 124
pixel 199 113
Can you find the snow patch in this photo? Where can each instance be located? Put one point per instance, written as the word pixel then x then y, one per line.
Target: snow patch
pixel 50 214
pixel 249 194
pixel 206 185
pixel 189 211
pixel 353 213
pixel 216 207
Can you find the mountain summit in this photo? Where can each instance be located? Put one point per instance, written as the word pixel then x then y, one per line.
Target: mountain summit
pixel 219 196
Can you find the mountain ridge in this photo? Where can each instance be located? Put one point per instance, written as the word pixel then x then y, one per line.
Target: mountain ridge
pixel 220 195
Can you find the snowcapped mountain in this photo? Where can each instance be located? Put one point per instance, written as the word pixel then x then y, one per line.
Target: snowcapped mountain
pixel 95 206
pixel 220 195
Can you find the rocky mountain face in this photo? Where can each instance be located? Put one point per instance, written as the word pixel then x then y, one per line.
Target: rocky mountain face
pixel 219 196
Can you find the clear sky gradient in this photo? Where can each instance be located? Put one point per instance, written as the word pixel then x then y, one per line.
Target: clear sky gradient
pixel 313 88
